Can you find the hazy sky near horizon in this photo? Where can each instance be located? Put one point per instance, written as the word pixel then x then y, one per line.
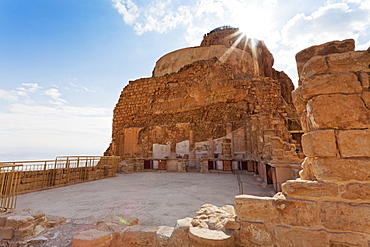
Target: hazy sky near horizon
pixel 64 63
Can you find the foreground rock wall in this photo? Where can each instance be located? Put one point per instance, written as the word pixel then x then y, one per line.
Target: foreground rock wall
pixel 330 204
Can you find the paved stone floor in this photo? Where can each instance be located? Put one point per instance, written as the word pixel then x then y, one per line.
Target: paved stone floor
pixel 154 198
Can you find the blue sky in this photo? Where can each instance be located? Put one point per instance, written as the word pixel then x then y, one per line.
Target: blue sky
pixel 64 63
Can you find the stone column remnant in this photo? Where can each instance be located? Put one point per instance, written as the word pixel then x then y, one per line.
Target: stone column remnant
pixel 330 204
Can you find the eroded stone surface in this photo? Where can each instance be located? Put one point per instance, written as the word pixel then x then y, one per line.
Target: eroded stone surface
pixel 303 56
pixel 332 112
pixel 346 216
pixel 354 143
pixel 299 237
pixel 92 238
pixel 319 143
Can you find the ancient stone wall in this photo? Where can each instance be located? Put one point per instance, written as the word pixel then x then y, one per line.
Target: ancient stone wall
pixel 330 204
pixel 240 61
pixel 204 96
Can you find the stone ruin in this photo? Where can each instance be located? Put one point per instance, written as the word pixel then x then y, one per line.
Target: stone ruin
pixel 329 205
pixel 221 103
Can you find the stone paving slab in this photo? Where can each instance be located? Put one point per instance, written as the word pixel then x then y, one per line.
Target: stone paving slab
pixel 155 198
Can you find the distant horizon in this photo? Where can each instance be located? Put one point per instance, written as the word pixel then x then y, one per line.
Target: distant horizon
pixel 64 64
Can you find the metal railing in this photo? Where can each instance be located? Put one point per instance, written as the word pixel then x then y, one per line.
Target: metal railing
pixel 64 170
pixel 9 182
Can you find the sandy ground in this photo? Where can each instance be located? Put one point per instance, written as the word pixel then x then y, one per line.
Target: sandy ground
pixel 154 198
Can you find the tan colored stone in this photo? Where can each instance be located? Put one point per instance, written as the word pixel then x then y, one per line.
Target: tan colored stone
pixel 164 239
pixel 299 103
pixel 255 209
pixel 255 234
pixel 349 62
pixel 19 221
pixel 200 237
pixel 304 188
pixel 299 237
pixel 24 232
pixel 140 236
pixel 346 216
pixel 6 233
pixel 232 225
pixel 347 239
pixel 365 81
pixel 345 83
pixel 296 212
pixel 331 169
pixel 366 98
pixel 213 218
pixel 181 232
pixel 315 66
pixel 337 112
pixel 324 49
pixel 354 143
pixel 319 143
pixel 92 238
pixel 355 191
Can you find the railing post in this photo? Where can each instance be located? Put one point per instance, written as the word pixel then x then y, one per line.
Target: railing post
pixel 43 175
pixel 67 167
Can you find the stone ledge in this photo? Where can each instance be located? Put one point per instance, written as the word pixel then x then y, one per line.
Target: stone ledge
pixel 303 189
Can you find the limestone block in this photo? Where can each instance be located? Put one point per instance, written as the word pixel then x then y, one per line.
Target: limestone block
pixel 315 66
pixel 200 237
pixel 255 234
pixel 92 238
pixel 347 239
pixel 305 188
pixel 19 221
pixel 349 61
pixel 344 83
pixel 254 208
pixel 337 112
pixel 331 169
pixel 324 49
pixel 299 237
pixel 366 98
pixel 365 81
pixel 354 191
pixel 6 233
pixel 354 143
pixel 180 233
pixel 299 103
pixel 140 236
pixel 297 212
pixel 319 143
pixel 3 220
pixel 346 216
pixel 24 232
pixel 164 239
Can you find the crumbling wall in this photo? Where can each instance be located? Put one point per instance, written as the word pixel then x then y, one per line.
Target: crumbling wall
pixel 203 97
pixel 330 204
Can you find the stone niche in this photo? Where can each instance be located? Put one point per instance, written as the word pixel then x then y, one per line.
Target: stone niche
pixel 330 204
pixel 201 96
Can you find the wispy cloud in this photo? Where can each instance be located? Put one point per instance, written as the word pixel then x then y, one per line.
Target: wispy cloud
pixel 55 96
pixel 284 34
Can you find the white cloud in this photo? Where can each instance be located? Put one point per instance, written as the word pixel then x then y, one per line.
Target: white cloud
pixel 331 22
pixel 38 130
pixel 8 95
pixel 127 9
pixel 55 95
pixel 285 30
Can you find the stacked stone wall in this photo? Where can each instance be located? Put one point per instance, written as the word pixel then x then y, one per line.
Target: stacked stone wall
pixel 330 204
pixel 204 95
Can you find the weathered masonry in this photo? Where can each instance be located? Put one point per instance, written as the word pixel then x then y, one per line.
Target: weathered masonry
pixel 330 204
pixel 221 102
